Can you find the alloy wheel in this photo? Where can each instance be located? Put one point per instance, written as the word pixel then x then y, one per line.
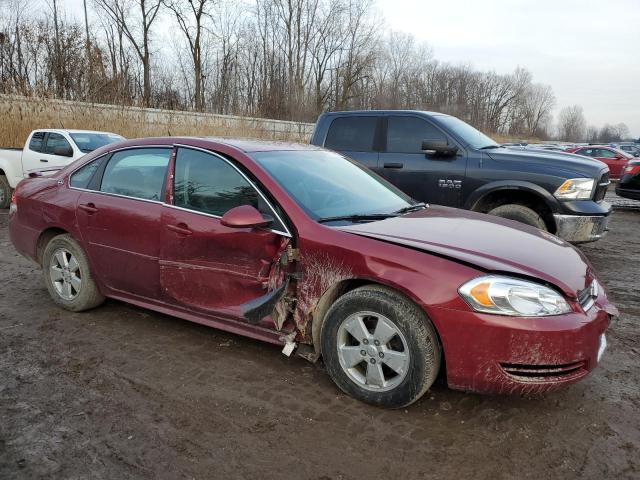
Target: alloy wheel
pixel 372 351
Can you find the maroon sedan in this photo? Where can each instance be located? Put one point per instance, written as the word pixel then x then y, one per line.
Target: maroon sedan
pixel 614 158
pixel 298 246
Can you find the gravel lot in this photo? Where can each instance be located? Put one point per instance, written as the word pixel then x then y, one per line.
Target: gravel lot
pixel 122 392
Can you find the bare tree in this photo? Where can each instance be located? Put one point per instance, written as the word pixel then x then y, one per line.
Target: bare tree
pixel 137 29
pixel 571 124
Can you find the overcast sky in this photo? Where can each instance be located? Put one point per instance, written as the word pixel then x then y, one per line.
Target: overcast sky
pixel 587 50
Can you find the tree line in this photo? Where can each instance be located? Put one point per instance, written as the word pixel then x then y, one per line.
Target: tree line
pixel 283 59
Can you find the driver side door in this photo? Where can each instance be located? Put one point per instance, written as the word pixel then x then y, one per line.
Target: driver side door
pixel 426 177
pixel 205 265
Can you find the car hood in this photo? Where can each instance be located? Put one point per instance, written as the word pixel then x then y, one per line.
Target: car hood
pixel 569 163
pixel 489 243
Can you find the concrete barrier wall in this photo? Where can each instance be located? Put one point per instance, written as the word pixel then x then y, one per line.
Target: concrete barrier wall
pixel 19 115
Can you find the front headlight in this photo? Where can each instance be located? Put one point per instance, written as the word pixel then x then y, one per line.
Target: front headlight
pixel 512 296
pixel 575 189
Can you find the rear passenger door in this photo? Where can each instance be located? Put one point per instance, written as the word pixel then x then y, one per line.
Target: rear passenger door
pixel 118 213
pixel 426 177
pixel 357 137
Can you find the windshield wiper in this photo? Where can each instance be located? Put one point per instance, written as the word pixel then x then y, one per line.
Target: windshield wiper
pixel 357 217
pixel 488 147
pixel 411 208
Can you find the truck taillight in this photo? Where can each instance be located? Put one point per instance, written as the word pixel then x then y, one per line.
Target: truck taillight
pixel 13 208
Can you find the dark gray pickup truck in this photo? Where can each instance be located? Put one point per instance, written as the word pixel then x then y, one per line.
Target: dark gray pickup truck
pixel 437 158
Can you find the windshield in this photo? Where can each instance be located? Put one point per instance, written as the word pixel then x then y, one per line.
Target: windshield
pixel 468 134
pixel 88 142
pixel 327 185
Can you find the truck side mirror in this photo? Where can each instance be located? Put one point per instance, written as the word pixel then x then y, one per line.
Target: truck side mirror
pixel 439 147
pixel 63 151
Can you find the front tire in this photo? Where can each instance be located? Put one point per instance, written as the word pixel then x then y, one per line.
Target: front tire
pixel 67 275
pixel 379 347
pixel 519 213
pixel 5 192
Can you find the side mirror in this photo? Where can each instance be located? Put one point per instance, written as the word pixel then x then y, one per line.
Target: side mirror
pixel 439 147
pixel 63 151
pixel 244 216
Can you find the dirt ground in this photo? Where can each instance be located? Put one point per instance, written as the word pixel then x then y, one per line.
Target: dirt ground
pixel 122 392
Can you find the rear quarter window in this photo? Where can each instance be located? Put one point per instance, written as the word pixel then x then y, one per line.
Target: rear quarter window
pixel 352 134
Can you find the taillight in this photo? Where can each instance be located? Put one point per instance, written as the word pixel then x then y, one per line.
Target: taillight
pixel 631 169
pixel 13 208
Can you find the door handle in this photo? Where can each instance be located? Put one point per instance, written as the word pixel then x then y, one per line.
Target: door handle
pixel 181 229
pixel 393 165
pixel 44 160
pixel 90 208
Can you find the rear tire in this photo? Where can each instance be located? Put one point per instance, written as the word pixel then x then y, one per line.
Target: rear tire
pixel 5 192
pixel 67 275
pixel 519 213
pixel 380 347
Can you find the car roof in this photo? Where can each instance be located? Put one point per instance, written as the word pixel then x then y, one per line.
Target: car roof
pixel 67 130
pixel 381 111
pixel 245 145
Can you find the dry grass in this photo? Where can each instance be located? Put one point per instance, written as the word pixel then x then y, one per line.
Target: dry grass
pixel 21 115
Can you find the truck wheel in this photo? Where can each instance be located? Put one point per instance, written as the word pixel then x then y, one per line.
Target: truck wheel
pixel 67 275
pixel 379 347
pixel 519 213
pixel 5 192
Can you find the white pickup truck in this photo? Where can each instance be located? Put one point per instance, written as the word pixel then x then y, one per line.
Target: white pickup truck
pixel 46 150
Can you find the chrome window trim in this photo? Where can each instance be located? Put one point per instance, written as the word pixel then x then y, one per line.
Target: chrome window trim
pixel 109 194
pixel 255 187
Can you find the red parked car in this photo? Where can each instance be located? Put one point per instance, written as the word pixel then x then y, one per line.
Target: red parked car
pixel 614 158
pixel 300 247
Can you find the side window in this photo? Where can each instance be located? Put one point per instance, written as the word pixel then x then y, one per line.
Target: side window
pixel 206 183
pixel 81 177
pixel 586 151
pixel 352 134
pixel 604 153
pixel 138 173
pixel 36 142
pixel 405 134
pixel 55 140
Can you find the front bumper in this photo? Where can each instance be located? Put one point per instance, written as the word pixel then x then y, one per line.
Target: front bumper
pixel 518 355
pixel 581 229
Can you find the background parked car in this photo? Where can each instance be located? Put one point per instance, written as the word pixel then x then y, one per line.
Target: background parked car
pixel 46 151
pixel 614 158
pixel 440 159
pixel 629 185
pixel 631 148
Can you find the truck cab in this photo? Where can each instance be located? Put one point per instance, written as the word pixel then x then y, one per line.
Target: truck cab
pixel 438 158
pixel 44 152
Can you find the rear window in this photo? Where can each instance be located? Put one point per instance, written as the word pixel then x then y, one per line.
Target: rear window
pixel 35 144
pixel 137 173
pixel 352 134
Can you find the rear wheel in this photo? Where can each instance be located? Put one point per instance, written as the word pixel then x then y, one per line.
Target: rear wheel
pixel 379 347
pixel 67 275
pixel 5 192
pixel 519 213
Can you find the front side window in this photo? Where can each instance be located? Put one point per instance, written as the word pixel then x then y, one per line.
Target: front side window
pixel 352 134
pixel 605 153
pixel 209 184
pixel 55 140
pixel 326 184
pixel 405 134
pixel 35 144
pixel 471 136
pixel 137 173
